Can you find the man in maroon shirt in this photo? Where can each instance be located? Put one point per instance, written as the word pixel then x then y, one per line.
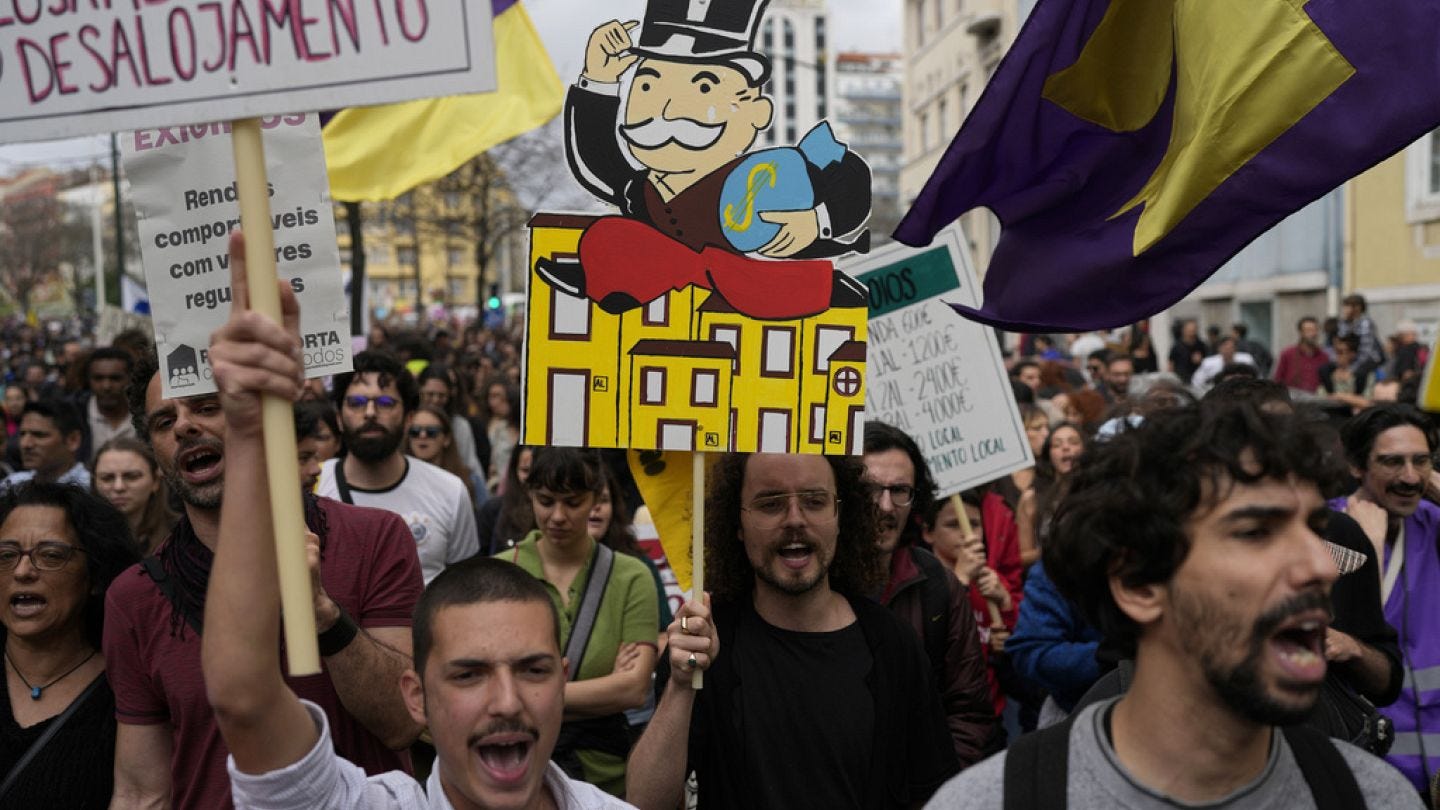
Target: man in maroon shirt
pixel 1299 365
pixel 366 573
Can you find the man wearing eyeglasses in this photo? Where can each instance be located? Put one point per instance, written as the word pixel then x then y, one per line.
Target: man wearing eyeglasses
pixel 925 594
pixel 375 402
pixel 814 695
pixel 1391 450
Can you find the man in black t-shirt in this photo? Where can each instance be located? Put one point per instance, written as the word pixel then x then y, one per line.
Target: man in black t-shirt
pixel 820 698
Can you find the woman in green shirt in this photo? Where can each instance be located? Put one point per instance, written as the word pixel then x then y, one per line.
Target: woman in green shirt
pixel 617 656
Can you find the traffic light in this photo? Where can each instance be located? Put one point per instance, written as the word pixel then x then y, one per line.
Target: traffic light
pixel 493 302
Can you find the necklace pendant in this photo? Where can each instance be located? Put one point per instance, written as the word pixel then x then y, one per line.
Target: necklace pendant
pixel 35 692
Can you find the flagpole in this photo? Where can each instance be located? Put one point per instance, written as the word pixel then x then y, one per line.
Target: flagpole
pixel 296 598
pixel 697 540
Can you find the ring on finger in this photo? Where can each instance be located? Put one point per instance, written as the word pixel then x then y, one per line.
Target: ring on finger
pixel 691 663
pixel 685 624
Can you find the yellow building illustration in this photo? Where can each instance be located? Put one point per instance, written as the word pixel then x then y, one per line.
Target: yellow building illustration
pixel 685 371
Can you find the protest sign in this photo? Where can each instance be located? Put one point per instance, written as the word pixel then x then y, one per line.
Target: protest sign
pixel 114 320
pixel 186 205
pixel 933 374
pixel 70 68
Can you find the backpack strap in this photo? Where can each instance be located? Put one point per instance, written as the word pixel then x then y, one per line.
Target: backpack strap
pixel 156 572
pixel 1331 782
pixel 600 568
pixel 1037 768
pixel 341 484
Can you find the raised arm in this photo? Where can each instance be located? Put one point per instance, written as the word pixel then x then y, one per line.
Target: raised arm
pixel 263 722
pixel 656 771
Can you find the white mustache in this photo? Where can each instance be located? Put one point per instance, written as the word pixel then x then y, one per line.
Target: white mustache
pixel 656 132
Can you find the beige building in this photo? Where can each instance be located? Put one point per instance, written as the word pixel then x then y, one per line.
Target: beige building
pixel 426 240
pixel 952 48
pixel 794 35
pixel 867 119
pixel 1392 238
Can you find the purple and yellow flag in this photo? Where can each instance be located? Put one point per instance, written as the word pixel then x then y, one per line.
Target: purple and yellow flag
pixel 379 153
pixel 1129 148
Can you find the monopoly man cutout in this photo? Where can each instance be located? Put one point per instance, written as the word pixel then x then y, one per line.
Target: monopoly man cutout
pixel 660 127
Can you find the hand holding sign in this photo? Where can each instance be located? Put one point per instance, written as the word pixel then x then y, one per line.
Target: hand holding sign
pixel 252 355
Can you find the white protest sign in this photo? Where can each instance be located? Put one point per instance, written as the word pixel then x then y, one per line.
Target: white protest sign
pixel 933 374
pixel 72 67
pixel 186 206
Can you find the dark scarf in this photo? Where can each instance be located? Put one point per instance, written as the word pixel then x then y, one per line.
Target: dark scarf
pixel 186 562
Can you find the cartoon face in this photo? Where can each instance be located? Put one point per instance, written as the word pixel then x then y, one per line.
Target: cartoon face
pixel 691 118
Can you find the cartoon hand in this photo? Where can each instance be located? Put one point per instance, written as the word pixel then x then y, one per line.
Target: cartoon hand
pixel 798 230
pixel 607 54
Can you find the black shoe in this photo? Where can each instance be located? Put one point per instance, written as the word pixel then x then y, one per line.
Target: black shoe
pixel 616 303
pixel 565 275
pixel 847 292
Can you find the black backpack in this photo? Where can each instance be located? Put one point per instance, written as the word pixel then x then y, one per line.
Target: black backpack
pixel 1037 764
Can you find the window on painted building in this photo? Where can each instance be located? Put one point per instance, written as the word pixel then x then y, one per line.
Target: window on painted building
pixel 652 390
pixel 779 354
pixel 406 256
pixel 657 312
pixel 924 132
pixel 1422 179
pixel 731 335
pixel 789 33
pixel 942 113
pixel 704 386
pixel 569 316
pixel 455 257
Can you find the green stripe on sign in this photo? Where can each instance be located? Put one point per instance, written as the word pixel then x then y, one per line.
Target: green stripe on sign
pixel 918 278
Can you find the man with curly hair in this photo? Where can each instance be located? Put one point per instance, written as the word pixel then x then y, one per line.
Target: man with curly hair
pixel 814 695
pixel 1193 543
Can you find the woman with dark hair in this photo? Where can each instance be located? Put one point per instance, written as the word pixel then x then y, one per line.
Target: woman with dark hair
pixel 500 413
pixel 428 438
pixel 60 548
pixel 1057 459
pixel 439 389
pixel 127 476
pixel 614 663
pixel 317 437
pixel 505 519
pixel 1141 348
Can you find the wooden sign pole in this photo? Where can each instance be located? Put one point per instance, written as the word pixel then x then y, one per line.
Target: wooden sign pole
pixel 297 601
pixel 969 532
pixel 697 541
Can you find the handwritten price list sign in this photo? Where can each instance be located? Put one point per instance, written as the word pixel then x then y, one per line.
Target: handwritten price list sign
pixel 933 374
pixel 71 67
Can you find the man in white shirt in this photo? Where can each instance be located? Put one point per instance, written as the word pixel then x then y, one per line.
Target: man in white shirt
pixel 489 677
pixel 1225 354
pixel 375 402
pixel 107 371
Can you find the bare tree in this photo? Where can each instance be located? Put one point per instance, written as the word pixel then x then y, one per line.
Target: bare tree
pixel 34 234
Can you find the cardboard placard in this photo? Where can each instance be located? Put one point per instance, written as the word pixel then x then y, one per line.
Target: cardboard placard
pixel 186 205
pixel 933 374
pixel 77 68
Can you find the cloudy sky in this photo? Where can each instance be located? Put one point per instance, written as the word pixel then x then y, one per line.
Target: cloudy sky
pixel 867 25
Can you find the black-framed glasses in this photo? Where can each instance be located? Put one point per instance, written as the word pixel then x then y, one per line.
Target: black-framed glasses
pixel 428 431
pixel 384 402
pixel 817 506
pixel 47 556
pixel 900 494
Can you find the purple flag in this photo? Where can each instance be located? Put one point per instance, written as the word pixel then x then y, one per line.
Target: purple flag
pixel 1131 147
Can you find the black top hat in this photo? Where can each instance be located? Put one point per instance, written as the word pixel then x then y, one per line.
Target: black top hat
pixel 705 31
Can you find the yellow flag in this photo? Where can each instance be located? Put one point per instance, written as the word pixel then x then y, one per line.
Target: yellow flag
pixel 1430 383
pixel 379 153
pixel 665 479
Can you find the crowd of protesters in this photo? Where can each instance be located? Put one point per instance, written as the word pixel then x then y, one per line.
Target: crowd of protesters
pixel 1216 585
